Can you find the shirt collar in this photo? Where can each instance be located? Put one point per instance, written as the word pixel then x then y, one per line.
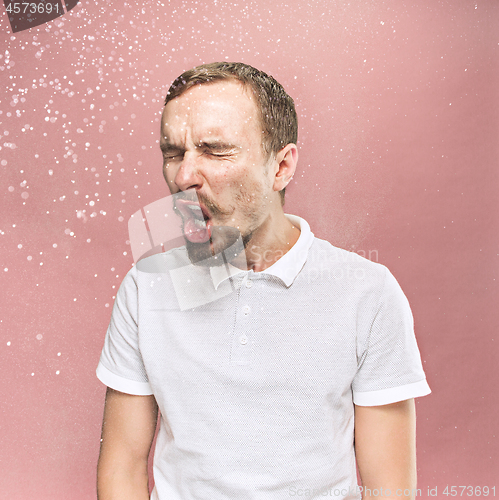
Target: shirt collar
pixel 286 268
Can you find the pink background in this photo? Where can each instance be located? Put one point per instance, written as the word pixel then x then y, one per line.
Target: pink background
pixel 398 112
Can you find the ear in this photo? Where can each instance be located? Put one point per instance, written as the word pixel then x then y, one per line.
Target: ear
pixel 285 166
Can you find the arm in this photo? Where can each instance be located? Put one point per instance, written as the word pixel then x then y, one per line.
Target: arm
pixel 385 447
pixel 127 434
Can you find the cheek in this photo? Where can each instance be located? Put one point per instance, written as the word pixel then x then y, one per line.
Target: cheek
pixel 169 176
pixel 239 183
pixel 252 191
pixel 225 179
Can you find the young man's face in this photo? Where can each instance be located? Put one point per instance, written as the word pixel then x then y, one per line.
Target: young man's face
pixel 211 140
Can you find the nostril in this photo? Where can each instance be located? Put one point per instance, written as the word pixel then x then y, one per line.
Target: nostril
pixel 188 176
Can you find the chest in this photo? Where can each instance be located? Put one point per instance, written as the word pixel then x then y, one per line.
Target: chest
pixel 257 335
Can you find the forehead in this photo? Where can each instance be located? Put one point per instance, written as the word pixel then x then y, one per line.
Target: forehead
pixel 220 106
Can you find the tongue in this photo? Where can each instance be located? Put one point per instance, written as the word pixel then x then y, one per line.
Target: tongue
pixel 194 233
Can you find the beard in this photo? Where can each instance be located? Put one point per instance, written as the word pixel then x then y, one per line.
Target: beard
pixel 225 243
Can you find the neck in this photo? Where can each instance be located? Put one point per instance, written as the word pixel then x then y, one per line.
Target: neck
pixel 268 243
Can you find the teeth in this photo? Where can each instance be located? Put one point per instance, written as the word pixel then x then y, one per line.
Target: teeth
pixel 200 223
pixel 195 207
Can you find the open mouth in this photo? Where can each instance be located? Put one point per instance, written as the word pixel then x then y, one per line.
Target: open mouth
pixel 196 221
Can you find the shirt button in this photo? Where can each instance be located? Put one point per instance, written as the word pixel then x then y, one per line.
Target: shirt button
pixel 249 284
pixel 243 340
pixel 246 309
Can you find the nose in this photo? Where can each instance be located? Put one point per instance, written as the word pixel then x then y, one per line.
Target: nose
pixel 188 175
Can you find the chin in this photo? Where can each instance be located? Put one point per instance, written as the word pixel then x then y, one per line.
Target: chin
pixel 225 245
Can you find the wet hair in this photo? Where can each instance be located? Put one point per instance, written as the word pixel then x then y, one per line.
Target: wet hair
pixel 277 109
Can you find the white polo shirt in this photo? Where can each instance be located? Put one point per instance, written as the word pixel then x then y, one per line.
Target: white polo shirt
pixel 256 374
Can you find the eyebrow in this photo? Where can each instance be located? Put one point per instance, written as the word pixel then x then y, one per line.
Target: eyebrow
pixel 167 147
pixel 218 146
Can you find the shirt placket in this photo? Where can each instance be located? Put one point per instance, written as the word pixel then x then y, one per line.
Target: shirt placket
pixel 242 335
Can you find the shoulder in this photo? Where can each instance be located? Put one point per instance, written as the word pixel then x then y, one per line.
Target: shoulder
pixel 159 263
pixel 340 263
pixel 348 274
pixel 164 261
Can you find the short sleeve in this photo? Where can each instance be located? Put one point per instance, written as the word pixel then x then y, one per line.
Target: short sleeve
pixel 389 363
pixel 120 365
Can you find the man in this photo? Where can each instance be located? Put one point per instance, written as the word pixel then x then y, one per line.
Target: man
pixel 277 361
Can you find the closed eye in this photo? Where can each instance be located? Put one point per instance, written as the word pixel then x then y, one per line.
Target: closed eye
pixel 219 149
pixel 170 157
pixel 171 152
pixel 220 155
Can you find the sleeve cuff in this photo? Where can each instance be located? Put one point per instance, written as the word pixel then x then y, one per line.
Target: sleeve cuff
pixel 122 384
pixel 392 395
